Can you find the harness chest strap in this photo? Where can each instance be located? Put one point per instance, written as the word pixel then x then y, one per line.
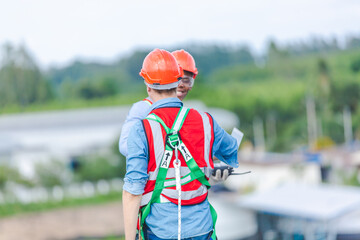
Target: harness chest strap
pixel 195 172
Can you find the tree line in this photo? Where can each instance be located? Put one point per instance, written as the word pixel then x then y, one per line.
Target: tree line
pixel 273 86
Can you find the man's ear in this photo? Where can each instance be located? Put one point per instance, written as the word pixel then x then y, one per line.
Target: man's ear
pixel 148 90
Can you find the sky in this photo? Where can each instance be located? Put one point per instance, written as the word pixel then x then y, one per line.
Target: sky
pixel 57 32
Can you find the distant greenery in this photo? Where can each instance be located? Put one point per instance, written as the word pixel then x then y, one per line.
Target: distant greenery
pixel 21 81
pixel 279 90
pixel 112 238
pixel 50 173
pixel 96 167
pixel 9 173
pixel 106 238
pixel 272 87
pixel 123 99
pixel 90 167
pixel 87 168
pixel 10 209
pixel 350 178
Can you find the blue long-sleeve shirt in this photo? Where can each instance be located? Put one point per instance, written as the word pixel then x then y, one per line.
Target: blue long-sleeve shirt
pixel 162 219
pixel 138 111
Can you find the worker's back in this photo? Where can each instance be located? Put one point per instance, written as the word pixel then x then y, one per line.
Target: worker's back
pixel 198 136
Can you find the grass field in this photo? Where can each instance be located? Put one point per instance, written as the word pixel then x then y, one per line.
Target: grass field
pixel 10 209
pixel 118 100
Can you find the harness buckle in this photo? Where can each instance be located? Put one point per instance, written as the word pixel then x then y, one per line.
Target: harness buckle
pixel 173 139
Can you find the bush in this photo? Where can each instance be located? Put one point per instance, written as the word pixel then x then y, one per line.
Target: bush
pixel 8 173
pixel 51 173
pixel 355 65
pixel 95 167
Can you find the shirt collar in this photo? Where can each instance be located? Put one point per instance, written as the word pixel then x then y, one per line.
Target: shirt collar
pixel 167 102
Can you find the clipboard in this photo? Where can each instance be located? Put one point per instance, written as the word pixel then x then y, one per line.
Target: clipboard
pixel 238 135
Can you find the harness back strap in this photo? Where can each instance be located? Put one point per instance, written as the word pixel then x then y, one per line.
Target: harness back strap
pixel 172 140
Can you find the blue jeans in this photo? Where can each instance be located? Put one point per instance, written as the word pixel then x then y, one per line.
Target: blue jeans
pixel 149 235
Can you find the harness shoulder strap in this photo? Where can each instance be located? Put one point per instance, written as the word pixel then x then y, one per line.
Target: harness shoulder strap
pixel 165 161
pixel 173 140
pixel 155 118
pixel 179 120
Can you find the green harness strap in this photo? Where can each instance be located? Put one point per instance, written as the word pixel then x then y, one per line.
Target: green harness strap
pixel 173 140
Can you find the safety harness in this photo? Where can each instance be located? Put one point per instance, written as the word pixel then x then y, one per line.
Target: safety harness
pixel 173 143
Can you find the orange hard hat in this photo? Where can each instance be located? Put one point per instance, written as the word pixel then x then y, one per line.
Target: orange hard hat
pixel 186 61
pixel 161 70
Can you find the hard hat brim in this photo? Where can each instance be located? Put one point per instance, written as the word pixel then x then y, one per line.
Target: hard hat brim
pixel 162 87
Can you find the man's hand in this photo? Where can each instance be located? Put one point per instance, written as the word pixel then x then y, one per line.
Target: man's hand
pixel 220 177
pixel 221 172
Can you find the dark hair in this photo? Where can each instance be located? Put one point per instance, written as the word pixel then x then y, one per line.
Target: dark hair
pixel 165 91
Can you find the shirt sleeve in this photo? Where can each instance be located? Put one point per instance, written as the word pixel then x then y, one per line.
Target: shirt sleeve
pixel 137 112
pixel 225 146
pixel 136 161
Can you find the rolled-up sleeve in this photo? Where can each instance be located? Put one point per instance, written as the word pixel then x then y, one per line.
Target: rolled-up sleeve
pixel 136 161
pixel 225 146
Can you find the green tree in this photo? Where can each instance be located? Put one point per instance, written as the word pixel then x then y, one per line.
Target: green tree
pixel 355 65
pixel 21 81
pixel 346 94
pixel 8 173
pixel 51 173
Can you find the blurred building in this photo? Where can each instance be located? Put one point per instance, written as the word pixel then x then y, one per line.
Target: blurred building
pixel 31 137
pixel 298 211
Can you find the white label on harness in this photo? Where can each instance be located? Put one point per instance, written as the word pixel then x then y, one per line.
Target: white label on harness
pixel 177 177
pixel 185 152
pixel 165 162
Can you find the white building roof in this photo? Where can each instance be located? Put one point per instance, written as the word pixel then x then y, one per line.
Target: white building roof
pixel 321 202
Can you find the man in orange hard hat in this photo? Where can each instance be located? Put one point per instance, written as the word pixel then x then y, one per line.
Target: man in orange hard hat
pixel 187 62
pixel 167 175
pixel 140 109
